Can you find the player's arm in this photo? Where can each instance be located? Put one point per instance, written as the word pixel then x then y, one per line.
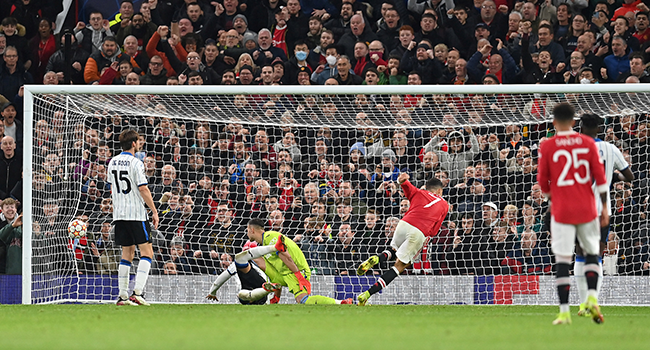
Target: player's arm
pixel 221 279
pixel 146 196
pixel 620 164
pixel 287 260
pixel 407 187
pixel 626 175
pixel 285 257
pixel 598 173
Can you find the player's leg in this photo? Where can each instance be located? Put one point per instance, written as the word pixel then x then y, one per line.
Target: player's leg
pixel 409 248
pixel 124 239
pixel 302 297
pixel 562 244
pixel 142 237
pixel 589 237
pixel 254 287
pixel 242 258
pixel 387 255
pixel 223 277
pixel 581 282
pixel 123 272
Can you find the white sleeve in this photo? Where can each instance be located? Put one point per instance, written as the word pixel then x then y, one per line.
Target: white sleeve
pixel 619 161
pixel 138 173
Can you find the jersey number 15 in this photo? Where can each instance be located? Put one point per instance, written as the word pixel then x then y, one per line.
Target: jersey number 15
pixel 122 177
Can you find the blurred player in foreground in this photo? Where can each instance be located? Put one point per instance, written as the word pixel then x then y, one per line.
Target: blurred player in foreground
pixel 568 164
pixel 613 161
pixel 423 218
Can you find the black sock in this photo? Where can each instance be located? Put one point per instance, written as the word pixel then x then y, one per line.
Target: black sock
pixel 384 280
pixel 563 282
pixel 591 271
pixel 386 255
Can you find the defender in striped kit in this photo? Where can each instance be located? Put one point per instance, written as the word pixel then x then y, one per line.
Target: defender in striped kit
pixel 129 192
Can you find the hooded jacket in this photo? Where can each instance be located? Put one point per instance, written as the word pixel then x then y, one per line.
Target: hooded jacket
pixel 98 61
pixel 454 163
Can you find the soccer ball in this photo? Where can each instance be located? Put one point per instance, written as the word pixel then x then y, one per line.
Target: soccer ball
pixel 77 229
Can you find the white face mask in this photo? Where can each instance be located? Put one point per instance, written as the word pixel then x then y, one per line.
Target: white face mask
pixel 585 81
pixel 331 60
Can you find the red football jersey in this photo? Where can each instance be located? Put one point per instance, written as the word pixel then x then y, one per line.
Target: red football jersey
pixel 568 164
pixel 427 210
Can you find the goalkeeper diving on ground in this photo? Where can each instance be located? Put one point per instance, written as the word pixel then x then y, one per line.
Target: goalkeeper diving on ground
pixel 283 263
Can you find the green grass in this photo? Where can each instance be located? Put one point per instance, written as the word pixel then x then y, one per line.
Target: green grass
pixel 315 327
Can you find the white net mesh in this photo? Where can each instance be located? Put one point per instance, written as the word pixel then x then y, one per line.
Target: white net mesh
pixel 322 169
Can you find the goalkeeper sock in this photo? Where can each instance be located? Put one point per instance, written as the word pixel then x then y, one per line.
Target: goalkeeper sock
pixel 563 284
pixel 141 276
pixel 384 280
pixel 223 278
pixel 242 258
pixel 592 272
pixel 318 299
pixel 578 271
pixel 123 278
pixel 386 255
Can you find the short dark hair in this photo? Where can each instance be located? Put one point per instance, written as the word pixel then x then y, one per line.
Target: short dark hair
pixel 110 38
pixel 256 223
pixel 547 26
pixel 564 112
pixel 428 15
pixel 127 138
pixel 433 184
pixel 9 21
pixel 414 72
pixel 333 46
pixel 590 121
pixel 637 54
pixel 193 74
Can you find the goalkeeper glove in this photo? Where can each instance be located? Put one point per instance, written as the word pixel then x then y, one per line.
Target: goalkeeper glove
pixel 274 300
pixel 302 282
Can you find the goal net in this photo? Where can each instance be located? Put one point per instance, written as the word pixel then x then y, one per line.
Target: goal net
pixel 320 165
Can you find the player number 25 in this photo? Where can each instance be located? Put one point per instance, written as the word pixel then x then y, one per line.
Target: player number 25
pixel 572 159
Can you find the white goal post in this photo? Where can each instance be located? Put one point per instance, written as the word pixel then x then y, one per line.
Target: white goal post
pixel 57 173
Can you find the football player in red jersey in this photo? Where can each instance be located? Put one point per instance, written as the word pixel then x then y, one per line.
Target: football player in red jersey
pixel 568 164
pixel 423 218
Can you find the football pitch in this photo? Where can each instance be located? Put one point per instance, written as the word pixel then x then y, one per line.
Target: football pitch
pixel 315 327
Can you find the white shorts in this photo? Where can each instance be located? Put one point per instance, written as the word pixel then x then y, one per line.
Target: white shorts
pixel 563 237
pixel 407 241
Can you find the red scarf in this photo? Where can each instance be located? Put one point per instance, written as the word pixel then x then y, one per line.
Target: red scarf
pixel 361 64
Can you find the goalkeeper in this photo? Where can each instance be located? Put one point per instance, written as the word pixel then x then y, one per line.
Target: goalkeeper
pixel 254 282
pixel 284 264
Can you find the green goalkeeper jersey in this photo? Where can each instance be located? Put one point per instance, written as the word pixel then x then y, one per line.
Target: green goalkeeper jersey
pixel 270 237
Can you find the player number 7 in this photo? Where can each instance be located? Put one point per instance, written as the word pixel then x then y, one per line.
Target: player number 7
pixel 433 202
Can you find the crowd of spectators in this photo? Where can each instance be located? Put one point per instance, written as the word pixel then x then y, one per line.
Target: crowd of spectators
pixel 331 190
